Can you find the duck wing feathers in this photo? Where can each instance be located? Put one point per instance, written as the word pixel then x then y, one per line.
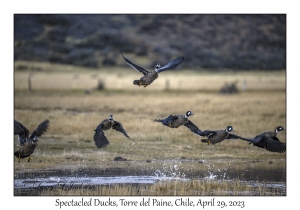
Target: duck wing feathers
pixel 274 146
pixel 172 64
pixel 271 144
pixel 118 127
pixel 167 120
pixel 136 67
pixel 193 128
pixel 233 136
pixel 100 138
pixel 21 131
pixel 39 131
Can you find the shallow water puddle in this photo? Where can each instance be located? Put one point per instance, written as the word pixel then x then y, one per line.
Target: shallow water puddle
pixel 253 174
pixel 69 181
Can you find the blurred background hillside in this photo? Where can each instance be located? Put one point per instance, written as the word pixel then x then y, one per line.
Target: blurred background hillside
pixel 239 42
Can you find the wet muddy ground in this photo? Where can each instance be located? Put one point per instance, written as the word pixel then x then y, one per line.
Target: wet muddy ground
pixel 271 174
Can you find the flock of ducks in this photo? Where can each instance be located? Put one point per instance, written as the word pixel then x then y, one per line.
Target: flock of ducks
pixel 266 140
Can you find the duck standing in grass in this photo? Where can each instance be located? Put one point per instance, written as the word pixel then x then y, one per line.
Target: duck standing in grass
pixel 174 121
pixel 150 76
pixel 99 136
pixel 28 144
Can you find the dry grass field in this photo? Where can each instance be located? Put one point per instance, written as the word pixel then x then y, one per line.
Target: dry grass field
pixel 67 96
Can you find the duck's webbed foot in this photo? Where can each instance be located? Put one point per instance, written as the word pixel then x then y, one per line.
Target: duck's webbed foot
pixel 138 82
pixel 206 141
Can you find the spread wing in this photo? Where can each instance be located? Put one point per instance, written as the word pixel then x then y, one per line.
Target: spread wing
pixel 118 127
pixel 39 131
pixel 275 138
pixel 167 120
pixel 275 146
pixel 257 139
pixel 99 137
pixel 172 64
pixel 136 67
pixel 233 136
pixel 270 144
pixel 21 131
pixel 194 128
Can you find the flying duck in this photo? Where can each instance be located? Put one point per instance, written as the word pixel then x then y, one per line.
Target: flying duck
pixel 268 141
pixel 28 144
pixel 99 136
pixel 216 136
pixel 150 76
pixel 174 121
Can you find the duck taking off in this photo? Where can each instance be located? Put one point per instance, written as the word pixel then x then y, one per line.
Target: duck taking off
pixel 216 136
pixel 150 76
pixel 174 121
pixel 99 136
pixel 28 144
pixel 268 141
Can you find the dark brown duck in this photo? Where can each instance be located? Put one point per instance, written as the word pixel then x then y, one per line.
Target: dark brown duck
pixel 99 136
pixel 174 121
pixel 217 136
pixel 268 140
pixel 28 144
pixel 150 76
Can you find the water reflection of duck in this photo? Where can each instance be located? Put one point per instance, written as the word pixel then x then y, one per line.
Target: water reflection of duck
pixel 216 136
pixel 268 141
pixel 150 76
pixel 28 144
pixel 99 137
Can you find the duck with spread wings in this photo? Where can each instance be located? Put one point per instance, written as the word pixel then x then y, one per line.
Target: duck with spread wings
pixel 28 144
pixel 268 140
pixel 150 76
pixel 174 121
pixel 217 136
pixel 99 136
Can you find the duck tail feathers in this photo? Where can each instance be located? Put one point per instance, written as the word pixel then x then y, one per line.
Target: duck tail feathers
pixel 158 120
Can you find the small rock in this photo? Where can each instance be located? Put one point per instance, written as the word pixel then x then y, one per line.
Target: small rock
pixel 119 159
